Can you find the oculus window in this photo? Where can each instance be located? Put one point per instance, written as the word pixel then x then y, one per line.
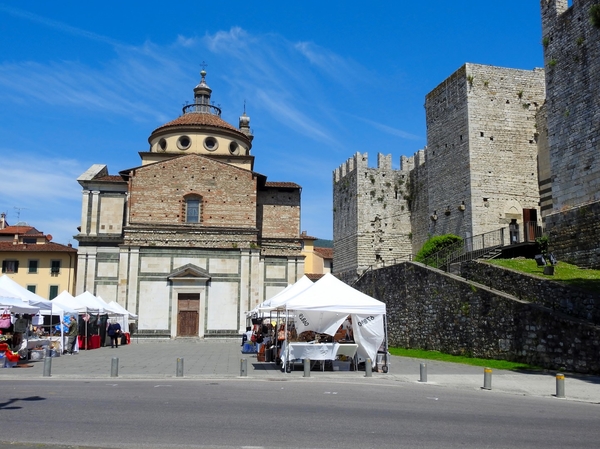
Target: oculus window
pixel 211 144
pixel 184 142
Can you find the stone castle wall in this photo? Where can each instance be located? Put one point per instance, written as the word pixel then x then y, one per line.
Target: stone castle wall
pixel 573 235
pixel 572 59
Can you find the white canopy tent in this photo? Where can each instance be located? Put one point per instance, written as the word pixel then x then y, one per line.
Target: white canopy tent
pixel 46 307
pixel 278 301
pixel 14 304
pixel 325 305
pixel 116 313
pixel 84 303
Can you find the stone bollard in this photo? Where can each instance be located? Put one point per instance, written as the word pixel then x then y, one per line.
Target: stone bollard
pixel 487 378
pixel 560 385
pixel 179 369
pixel 243 367
pixel 306 367
pixel 368 368
pixel 48 366
pixel 423 372
pixel 114 367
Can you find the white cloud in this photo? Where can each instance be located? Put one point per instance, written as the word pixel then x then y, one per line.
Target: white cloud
pixel 43 192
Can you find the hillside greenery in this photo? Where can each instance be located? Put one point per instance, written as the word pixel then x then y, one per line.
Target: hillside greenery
pixel 564 272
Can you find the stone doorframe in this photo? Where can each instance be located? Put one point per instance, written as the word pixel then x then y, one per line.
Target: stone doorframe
pixel 188 279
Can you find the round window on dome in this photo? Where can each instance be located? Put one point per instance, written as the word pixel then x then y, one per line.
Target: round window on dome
pixel 162 144
pixel 211 144
pixel 184 142
pixel 234 148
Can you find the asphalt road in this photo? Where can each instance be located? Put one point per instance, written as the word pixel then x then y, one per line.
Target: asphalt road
pixel 277 413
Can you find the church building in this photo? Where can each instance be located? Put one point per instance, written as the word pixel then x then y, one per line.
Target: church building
pixel 193 237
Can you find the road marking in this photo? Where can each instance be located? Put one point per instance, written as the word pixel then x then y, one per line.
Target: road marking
pixel 156 386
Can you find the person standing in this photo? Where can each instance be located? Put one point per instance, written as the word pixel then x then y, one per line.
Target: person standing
pixel 114 332
pixel 72 335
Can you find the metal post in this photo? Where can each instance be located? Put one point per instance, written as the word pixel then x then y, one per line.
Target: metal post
pixel 368 368
pixel 179 370
pixel 423 372
pixel 306 367
pixel 487 378
pixel 48 366
pixel 243 367
pixel 114 367
pixel 560 385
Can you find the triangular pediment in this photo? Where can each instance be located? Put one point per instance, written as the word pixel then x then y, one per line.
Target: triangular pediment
pixel 189 272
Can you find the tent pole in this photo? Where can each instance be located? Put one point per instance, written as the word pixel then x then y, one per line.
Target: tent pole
pixel 386 342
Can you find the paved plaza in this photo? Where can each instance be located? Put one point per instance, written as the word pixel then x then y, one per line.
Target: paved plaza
pixel 221 359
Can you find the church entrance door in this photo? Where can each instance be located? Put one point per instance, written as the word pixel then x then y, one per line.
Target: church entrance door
pixel 188 314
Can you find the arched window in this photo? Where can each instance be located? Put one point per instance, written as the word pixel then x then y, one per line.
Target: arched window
pixel 193 206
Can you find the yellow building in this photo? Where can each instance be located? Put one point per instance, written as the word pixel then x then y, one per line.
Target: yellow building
pixel 32 260
pixel 317 260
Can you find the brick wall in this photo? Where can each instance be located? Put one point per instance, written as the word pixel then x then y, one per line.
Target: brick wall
pixel 279 212
pixel 228 194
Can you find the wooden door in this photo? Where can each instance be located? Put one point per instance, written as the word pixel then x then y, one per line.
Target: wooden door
pixel 188 314
pixel 530 224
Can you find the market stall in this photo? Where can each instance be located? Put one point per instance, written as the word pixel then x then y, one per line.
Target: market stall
pixel 44 324
pixel 324 307
pixel 90 316
pixel 15 319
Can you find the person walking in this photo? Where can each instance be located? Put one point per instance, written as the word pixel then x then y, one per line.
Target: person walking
pixel 114 332
pixel 72 333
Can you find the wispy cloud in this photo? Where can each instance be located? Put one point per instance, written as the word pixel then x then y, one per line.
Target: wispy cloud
pixel 43 192
pixel 275 75
pixel 58 25
pixel 343 71
pixel 34 180
pixel 388 129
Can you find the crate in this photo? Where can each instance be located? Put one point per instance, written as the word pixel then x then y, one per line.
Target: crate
pixel 341 365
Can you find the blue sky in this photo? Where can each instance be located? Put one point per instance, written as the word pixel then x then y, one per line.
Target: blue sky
pixel 87 82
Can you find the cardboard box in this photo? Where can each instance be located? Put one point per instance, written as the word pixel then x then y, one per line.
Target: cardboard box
pixel 341 365
pixel 37 354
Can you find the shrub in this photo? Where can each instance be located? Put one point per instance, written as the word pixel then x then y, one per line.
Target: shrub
pixel 595 15
pixel 436 244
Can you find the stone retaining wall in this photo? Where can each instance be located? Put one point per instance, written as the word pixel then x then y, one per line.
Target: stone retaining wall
pixel 554 295
pixel 432 310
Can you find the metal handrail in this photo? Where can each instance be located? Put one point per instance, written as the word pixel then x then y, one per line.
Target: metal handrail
pixel 478 246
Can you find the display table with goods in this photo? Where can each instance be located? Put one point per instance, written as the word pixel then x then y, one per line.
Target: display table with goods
pixel 91 342
pixel 33 348
pixel 292 351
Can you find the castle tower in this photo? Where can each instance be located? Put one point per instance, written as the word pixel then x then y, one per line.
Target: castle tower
pixel 481 156
pixel 371 224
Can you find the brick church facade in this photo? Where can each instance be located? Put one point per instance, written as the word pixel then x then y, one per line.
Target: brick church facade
pixel 192 238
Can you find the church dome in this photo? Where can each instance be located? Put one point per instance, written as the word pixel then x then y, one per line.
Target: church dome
pixel 200 129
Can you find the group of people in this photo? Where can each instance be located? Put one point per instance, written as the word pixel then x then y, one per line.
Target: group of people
pixel 113 331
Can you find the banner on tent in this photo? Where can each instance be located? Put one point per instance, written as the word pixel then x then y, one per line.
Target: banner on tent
pixel 320 322
pixel 369 333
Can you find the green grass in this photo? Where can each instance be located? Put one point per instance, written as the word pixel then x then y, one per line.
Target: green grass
pixel 563 272
pixel 440 357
